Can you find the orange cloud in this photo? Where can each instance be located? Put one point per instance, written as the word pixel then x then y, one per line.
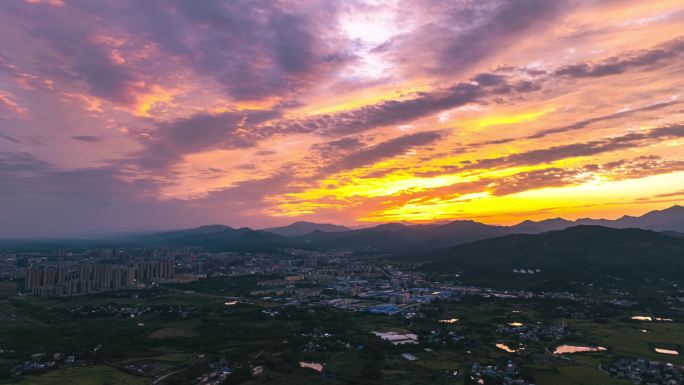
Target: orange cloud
pixel 89 103
pixel 155 97
pixel 6 100
pixel 54 3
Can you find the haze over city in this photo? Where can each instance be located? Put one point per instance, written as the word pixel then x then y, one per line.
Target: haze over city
pixel 125 116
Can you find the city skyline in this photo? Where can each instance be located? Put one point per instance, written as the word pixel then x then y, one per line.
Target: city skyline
pixel 124 116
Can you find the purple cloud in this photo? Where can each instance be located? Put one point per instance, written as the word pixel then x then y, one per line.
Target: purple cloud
pixel 87 138
pixel 620 64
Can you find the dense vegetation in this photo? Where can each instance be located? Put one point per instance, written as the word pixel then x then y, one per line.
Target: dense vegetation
pixel 589 254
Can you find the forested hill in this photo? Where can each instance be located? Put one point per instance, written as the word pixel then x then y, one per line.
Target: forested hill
pixel 591 254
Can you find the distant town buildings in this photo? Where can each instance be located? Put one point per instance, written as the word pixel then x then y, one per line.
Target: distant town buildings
pixel 91 278
pixel 398 338
pixel 642 371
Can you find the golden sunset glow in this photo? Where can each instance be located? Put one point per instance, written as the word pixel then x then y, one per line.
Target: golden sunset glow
pixel 498 120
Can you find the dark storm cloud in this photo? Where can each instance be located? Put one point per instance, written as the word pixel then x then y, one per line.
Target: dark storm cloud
pixel 61 42
pixel 8 138
pixel 248 195
pixel 551 154
pixel 40 199
pixel 671 194
pixel 384 150
pixel 400 111
pixel 584 123
pixel 79 59
pixel 228 130
pixel 87 138
pixel 549 177
pixel 343 145
pixel 507 21
pixel 578 125
pixel 464 33
pixel 265 152
pixel 643 166
pixel 204 131
pixel 482 87
pixel 20 163
pixel 619 64
pixel 594 147
pixel 180 137
pixel 254 49
pixel 32 178
pixel 624 169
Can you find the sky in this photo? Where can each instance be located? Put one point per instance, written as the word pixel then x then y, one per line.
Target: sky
pixel 121 115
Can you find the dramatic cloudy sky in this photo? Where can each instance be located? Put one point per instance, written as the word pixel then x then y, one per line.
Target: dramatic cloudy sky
pixel 120 115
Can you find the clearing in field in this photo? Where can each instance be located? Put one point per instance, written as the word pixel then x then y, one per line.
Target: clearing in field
pixel 87 375
pixel 173 332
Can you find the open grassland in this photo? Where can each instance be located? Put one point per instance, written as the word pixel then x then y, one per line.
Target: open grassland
pixel 576 375
pixel 175 357
pixel 140 298
pixel 87 375
pixel 173 332
pixel 625 338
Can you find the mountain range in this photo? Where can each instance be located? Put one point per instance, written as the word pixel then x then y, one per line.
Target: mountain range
pixel 303 228
pixel 551 254
pixel 392 237
pixel 670 219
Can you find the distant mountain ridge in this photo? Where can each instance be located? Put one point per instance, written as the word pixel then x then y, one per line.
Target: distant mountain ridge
pixel 303 228
pixel 393 237
pixel 670 219
pixel 213 237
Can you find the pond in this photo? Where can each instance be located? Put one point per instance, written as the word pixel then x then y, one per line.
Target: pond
pixel 650 319
pixel 508 349
pixel 569 349
pixel 448 321
pixel 311 365
pixel 667 351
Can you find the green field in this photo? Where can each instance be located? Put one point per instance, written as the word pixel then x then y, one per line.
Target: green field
pixel 576 375
pixel 87 375
pixel 625 338
pixel 182 332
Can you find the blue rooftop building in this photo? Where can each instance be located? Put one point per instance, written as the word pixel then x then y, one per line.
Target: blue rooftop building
pixel 385 308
